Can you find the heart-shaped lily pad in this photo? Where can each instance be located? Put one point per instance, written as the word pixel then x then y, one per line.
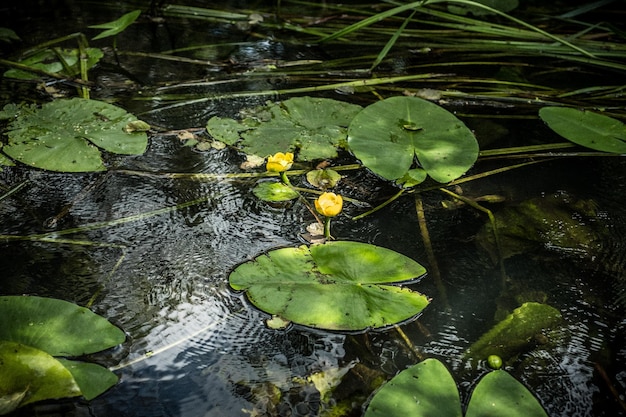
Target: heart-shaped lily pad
pixel 389 135
pixel 340 285
pixel 312 127
pixel 64 135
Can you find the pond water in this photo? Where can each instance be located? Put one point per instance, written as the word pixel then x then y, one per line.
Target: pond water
pixel 194 347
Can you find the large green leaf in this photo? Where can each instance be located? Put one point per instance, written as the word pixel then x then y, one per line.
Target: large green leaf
pixel 336 286
pixel 312 127
pixel 28 374
pixel 499 394
pixel 60 136
pixel 585 128
pixel 55 326
pixel 388 135
pixel 427 389
pixel 92 378
pixel 424 390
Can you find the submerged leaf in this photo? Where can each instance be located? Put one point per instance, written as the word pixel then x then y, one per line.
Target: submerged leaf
pixel 57 60
pixel 423 390
pixel 57 327
pixel 516 332
pixel 336 286
pixel 313 127
pixel 389 135
pixel 274 191
pixel 60 136
pixel 585 128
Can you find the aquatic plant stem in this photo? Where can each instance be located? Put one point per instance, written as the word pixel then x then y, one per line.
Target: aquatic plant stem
pixel 387 202
pixel 434 270
pixel 409 343
pixel 494 226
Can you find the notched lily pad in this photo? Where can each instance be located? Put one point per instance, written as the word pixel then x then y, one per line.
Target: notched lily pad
pixel 311 127
pixel 346 286
pixel 64 135
pixel 391 135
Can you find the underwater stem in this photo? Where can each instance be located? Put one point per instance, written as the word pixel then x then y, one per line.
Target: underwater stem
pixel 432 260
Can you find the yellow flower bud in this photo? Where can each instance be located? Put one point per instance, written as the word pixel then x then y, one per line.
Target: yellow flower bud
pixel 280 162
pixel 329 204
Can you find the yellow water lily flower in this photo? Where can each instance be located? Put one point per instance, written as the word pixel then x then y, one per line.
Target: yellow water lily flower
pixel 329 204
pixel 279 162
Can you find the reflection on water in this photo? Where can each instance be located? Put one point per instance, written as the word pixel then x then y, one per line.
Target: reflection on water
pixel 196 349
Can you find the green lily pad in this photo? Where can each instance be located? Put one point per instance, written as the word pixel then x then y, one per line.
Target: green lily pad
pixel 116 26
pixel 585 128
pixel 60 136
pixel 55 326
pixel 28 374
pixel 92 379
pixel 423 390
pixel 428 389
pixel 274 191
pixel 499 394
pixel 335 286
pixel 389 135
pixel 516 332
pixel 311 127
pixel 58 60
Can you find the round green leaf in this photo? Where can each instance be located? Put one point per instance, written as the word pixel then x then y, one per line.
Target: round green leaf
pixel 335 286
pixel 387 136
pixel 92 379
pixel 423 390
pixel 274 191
pixel 585 128
pixel 55 326
pixel 28 375
pixel 60 136
pixel 314 127
pixel 499 394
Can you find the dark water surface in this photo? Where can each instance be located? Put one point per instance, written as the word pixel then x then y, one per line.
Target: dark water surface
pixel 194 347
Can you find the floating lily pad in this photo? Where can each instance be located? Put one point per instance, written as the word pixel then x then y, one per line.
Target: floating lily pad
pixel 311 127
pixel 28 374
pixel 585 128
pixel 389 135
pixel 55 326
pixel 425 389
pixel 92 379
pixel 499 394
pixel 340 285
pixel 60 136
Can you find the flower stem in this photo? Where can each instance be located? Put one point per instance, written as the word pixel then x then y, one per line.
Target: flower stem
pixel 327 228
pixel 284 178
